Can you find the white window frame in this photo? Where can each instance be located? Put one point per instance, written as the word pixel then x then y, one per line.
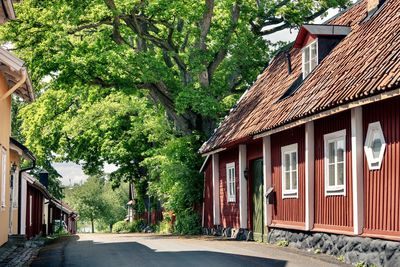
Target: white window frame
pixel 374 163
pixel 303 57
pixel 231 192
pixel 3 177
pixel 335 190
pixel 292 192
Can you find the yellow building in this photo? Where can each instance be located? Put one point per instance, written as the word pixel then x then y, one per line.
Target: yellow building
pixel 13 81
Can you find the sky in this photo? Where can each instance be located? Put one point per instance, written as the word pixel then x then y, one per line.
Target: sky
pixel 72 173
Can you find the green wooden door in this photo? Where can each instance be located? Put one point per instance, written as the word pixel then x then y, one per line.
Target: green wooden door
pixel 258 221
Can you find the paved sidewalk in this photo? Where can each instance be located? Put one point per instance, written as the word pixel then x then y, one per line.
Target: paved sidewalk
pixel 17 256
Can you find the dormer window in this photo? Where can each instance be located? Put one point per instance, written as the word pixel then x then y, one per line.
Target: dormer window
pixel 316 42
pixel 310 58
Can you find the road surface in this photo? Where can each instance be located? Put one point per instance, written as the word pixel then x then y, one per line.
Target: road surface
pixel 154 250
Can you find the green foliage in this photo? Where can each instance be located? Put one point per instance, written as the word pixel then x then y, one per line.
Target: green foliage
pixel 188 223
pixel 121 226
pixel 128 227
pixel 360 264
pixel 136 226
pixel 96 201
pixel 317 251
pixel 282 243
pixel 96 64
pixel 164 227
pixel 341 258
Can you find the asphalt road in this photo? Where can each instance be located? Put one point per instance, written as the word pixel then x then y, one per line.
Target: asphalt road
pixel 153 250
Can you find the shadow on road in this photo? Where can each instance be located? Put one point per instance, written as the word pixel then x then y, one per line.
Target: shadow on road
pixel 89 253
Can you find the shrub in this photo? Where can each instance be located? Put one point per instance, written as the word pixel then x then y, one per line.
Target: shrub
pixel 187 223
pixel 136 226
pixel 120 226
pixel 283 243
pixel 164 227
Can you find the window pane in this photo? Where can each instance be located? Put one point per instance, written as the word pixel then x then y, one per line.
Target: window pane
pixel 287 162
pixel 314 50
pixel 376 147
pixel 294 179
pixel 340 170
pixel 340 150
pixel 294 161
pixel 306 54
pixel 306 68
pixel 287 180
pixel 331 174
pixel 331 152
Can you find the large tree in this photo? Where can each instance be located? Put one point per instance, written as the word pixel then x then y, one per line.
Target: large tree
pixel 192 57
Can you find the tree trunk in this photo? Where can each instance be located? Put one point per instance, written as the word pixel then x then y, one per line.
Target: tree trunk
pixel 111 227
pixel 92 221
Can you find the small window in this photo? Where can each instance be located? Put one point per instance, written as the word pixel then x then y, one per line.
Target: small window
pixel 3 176
pixel 230 182
pixel 310 58
pixel 289 171
pixel 374 146
pixel 335 163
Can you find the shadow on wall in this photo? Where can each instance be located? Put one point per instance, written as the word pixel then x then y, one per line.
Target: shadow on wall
pixel 89 253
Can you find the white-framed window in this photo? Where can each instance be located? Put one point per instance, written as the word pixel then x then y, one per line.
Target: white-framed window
pixel 310 58
pixel 3 177
pixel 335 163
pixel 290 173
pixel 374 146
pixel 230 182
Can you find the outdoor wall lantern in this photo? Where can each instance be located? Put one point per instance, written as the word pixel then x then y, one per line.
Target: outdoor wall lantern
pixel 246 173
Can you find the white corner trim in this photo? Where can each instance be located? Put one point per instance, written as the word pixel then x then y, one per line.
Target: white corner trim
pixel 267 178
pixel 357 160
pixel 242 186
pixel 309 175
pixel 215 177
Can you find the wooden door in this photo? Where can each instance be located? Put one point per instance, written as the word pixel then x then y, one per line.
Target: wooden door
pixel 258 221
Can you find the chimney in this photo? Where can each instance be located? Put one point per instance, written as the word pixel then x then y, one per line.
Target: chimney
pixel 44 178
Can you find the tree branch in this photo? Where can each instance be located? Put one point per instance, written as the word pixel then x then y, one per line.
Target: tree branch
pixel 221 54
pixel 104 21
pixel 205 24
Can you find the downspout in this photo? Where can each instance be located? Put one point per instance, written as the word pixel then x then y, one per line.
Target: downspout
pixel 33 159
pixel 16 86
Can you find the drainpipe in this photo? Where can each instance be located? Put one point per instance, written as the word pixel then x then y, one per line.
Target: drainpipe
pixel 16 86
pixel 33 159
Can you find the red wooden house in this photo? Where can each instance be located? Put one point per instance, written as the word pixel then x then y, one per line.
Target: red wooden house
pixel 314 144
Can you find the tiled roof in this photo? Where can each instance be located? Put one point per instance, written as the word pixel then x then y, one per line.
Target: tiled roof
pixel 366 62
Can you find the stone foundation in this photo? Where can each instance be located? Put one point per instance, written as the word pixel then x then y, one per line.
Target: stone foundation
pixel 353 249
pixel 232 233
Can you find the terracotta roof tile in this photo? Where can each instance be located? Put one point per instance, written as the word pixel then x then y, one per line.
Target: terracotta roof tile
pixel 364 63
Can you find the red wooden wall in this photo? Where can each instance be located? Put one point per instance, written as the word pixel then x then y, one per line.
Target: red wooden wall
pixel 382 187
pixel 229 210
pixel 208 196
pixel 332 212
pixel 289 211
pixel 37 212
pixel 254 151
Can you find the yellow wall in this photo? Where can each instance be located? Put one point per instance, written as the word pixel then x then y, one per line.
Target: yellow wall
pixel 5 131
